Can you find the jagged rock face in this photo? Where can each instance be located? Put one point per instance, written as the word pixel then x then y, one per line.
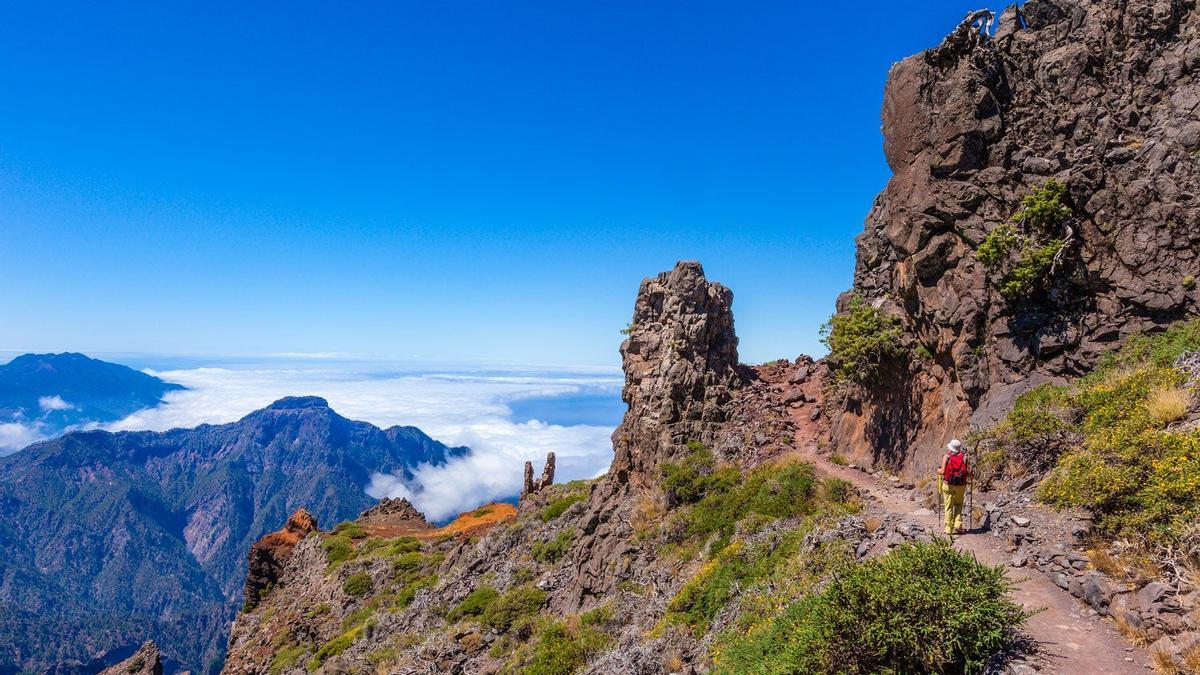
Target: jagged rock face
pixel 681 374
pixel 145 661
pixel 546 480
pixel 267 555
pixel 394 509
pixel 1099 94
pixel 681 366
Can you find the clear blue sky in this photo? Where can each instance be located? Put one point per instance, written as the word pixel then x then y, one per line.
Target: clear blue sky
pixel 444 180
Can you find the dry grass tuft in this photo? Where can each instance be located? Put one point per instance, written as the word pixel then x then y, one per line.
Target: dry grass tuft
pixel 1168 405
pixel 1191 660
pixel 1103 561
pixel 1130 565
pixel 1135 634
pixel 673 662
pixel 1162 663
pixel 648 512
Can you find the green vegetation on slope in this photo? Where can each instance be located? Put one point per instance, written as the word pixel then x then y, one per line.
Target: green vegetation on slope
pixel 1106 438
pixel 715 499
pixel 923 608
pixel 860 340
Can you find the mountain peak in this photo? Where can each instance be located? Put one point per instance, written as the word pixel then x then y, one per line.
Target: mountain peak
pixel 298 403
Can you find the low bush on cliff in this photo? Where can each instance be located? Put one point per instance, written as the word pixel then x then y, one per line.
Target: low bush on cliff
pixel 357 585
pixel 552 551
pixel 1021 257
pixel 474 604
pixel 1112 451
pixel 564 647
pixel 743 568
pixel 559 505
pixel 923 608
pixel 515 609
pixel 860 340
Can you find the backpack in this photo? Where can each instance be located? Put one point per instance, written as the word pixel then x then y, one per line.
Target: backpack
pixel 956 469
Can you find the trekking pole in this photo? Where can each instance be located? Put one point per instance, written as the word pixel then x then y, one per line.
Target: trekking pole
pixel 970 502
pixel 941 511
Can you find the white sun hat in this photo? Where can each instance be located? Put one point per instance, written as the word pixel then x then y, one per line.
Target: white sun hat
pixel 954 445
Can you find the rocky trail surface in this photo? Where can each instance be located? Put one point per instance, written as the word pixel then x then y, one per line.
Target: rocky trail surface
pixel 1070 636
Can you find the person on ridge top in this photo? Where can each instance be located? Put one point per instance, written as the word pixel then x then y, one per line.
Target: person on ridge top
pixel 952 482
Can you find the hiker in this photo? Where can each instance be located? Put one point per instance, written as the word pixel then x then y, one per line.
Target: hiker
pixel 952 481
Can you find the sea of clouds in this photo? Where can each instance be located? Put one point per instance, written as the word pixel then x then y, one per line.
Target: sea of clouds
pixel 457 407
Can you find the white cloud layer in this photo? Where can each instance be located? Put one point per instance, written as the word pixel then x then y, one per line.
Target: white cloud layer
pixel 15 435
pixel 455 408
pixel 48 403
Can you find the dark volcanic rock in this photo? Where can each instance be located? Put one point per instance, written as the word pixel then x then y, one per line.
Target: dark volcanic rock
pixel 546 480
pixel 146 661
pixel 681 373
pixel 393 510
pixel 1099 94
pixel 107 539
pixel 681 367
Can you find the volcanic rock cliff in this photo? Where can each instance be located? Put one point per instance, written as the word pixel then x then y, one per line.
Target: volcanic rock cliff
pixel 1101 96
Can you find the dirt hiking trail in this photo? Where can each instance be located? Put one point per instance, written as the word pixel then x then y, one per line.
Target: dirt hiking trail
pixel 1070 639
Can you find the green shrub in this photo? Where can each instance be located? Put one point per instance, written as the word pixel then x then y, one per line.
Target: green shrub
pixel 400 546
pixel 686 482
pixel 552 551
pixel 357 584
pixel 1028 274
pixel 720 579
pixel 320 610
pixel 860 340
pixel 1041 214
pixel 1031 436
pixel 556 507
pixel 1103 437
pixel 919 609
pixel 474 604
pixel 564 648
pixel 413 571
pixel 516 605
pixel 1045 208
pixel 771 491
pixel 338 549
pixel 286 658
pixel 997 246
pixel 350 529
pixel 335 646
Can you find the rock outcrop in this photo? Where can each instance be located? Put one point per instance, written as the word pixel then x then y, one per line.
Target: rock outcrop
pixel 145 661
pixel 681 378
pixel 546 479
pixel 267 555
pixel 391 509
pixel 1102 96
pixel 681 369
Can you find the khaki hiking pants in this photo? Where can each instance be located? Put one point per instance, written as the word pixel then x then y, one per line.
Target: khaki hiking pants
pixel 952 502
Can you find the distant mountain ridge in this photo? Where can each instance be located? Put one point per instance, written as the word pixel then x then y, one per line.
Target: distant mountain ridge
pixel 53 392
pixel 108 539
